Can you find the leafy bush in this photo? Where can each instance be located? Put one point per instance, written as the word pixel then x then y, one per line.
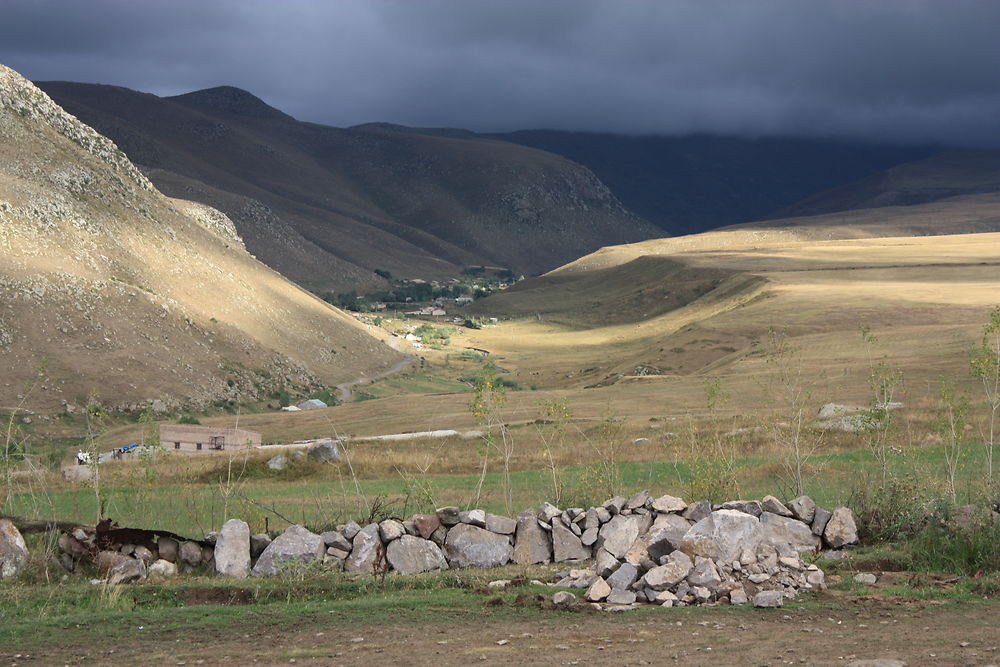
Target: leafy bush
pixel 188 419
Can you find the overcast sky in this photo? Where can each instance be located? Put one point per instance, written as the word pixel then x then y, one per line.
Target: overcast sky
pixel 909 70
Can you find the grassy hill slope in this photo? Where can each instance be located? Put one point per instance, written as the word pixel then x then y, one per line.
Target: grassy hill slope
pixel 326 206
pixel 113 289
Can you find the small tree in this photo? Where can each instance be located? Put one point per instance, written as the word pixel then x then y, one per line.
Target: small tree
pixel 953 410
pixel 876 421
pixel 487 406
pixel 985 365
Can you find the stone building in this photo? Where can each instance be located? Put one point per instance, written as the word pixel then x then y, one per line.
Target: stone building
pixel 192 439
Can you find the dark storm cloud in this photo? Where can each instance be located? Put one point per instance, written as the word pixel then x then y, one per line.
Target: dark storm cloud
pixel 894 69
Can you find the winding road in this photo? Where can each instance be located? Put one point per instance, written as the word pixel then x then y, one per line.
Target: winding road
pixel 344 389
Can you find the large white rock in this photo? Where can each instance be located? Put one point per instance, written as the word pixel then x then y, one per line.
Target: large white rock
pixel 722 535
pixel 471 546
pixel 532 544
pixel 232 550
pixel 671 573
pixel 840 529
pixel 412 555
pixel 566 546
pixel 293 550
pixel 617 535
pixel 781 531
pixel 13 551
pixel 366 550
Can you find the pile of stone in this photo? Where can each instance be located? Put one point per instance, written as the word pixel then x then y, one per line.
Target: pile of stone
pixel 643 549
pixel 667 552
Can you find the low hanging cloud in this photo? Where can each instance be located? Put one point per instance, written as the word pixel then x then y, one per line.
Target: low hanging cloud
pixel 898 70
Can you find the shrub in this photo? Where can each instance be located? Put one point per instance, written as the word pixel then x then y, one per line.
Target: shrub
pixel 188 419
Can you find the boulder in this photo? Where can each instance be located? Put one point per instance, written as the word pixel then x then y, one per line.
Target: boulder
pixel 618 535
pixel 13 550
pixel 162 569
pixel 779 530
pixel 108 560
pixel 672 572
pixel 563 599
pixel 531 543
pixel 168 549
pixel 191 553
pixel 665 535
pixel 471 546
pixel 722 535
pixel 614 505
pixel 697 511
pixel 324 451
pixel 619 596
pixel 667 504
pixel 840 529
pixel 768 599
pixel 258 543
pixel 448 516
pixel 232 550
pixel 126 572
pixel 820 519
pixel 390 530
pixel 473 518
pixel 333 538
pixel 279 462
pixel 605 563
pixel 624 576
pixel 412 555
pixel 705 574
pixel 291 551
pixel 775 506
pixel 426 524
pixel 350 529
pixel 566 546
pixel 77 474
pixel 638 500
pixel 748 506
pixel 598 591
pixel 366 550
pixel 803 508
pixel 144 554
pixel 589 536
pixel 547 512
pixel 500 524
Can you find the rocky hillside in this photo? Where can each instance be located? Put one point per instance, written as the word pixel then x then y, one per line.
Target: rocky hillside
pixel 110 289
pixel 326 206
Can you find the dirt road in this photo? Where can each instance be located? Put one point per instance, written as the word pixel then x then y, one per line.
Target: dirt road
pixel 344 389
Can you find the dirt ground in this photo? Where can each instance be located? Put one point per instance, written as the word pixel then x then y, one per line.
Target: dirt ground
pixel 917 632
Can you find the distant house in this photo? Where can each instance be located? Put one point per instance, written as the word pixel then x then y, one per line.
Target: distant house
pixel 191 439
pixel 438 312
pixel 463 300
pixel 312 404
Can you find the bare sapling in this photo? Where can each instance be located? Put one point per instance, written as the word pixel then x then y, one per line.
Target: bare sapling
pixel 791 393
pixel 555 414
pixel 953 410
pixel 713 464
pixel 487 407
pixel 985 365
pixel 876 421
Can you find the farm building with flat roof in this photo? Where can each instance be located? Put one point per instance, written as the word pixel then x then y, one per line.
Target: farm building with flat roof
pixel 193 439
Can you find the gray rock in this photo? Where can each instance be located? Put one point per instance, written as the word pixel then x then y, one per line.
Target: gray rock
pixel 820 519
pixel 291 551
pixel 803 508
pixel 471 546
pixel 500 524
pixel 779 530
pixel 841 530
pixel 412 555
pixel 439 536
pixel 667 504
pixel 865 578
pixel 603 515
pixel 324 451
pixel 448 516
pixel 697 511
pixel 232 550
pixel 162 569
pixel 258 543
pixel 617 535
pixel 624 576
pixel 618 596
pixel 598 591
pixel 191 553
pixel 705 574
pixel 722 535
pixel 426 524
pixel 665 535
pixel 279 462
pixel 563 599
pixel 351 529
pixel 128 571
pixel 390 530
pixel 366 550
pixel 411 528
pixel 77 474
pixel 547 512
pixel 108 560
pixel 333 538
pixel 566 546
pixel 638 500
pixel 473 518
pixel 768 599
pixel 751 507
pixel 605 563
pixel 338 554
pixel 589 536
pixel 13 550
pixel 531 544
pixel 167 548
pixel 672 572
pixel 738 596
pixel 775 506
pixel 614 505
pixel 144 554
pixel 592 519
